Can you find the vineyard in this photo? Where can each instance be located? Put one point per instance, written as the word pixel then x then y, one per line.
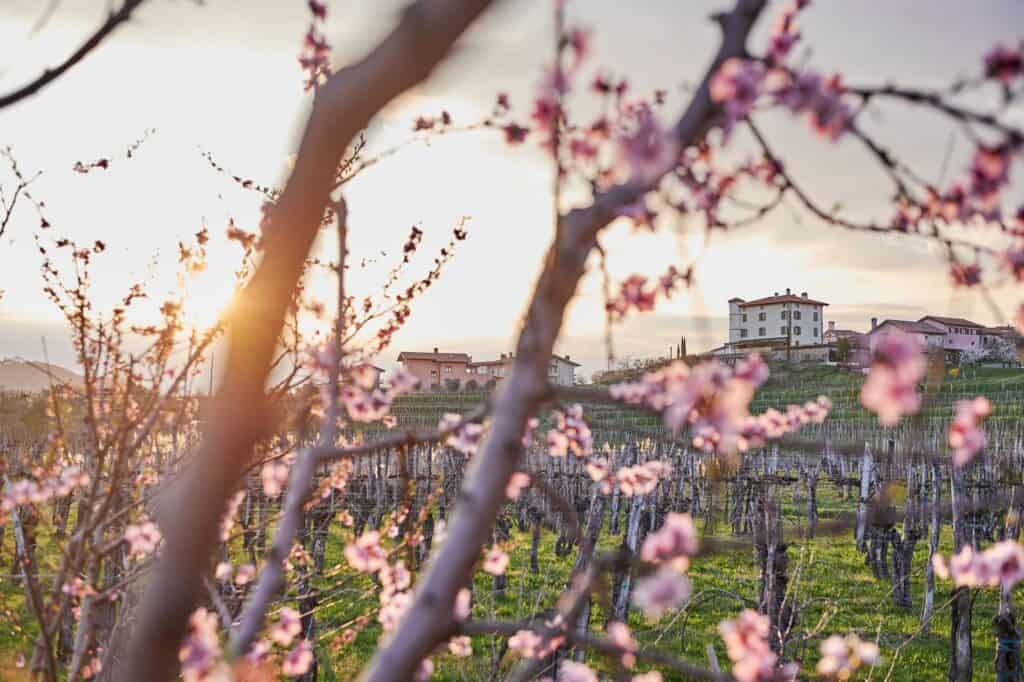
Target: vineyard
pixel 830 532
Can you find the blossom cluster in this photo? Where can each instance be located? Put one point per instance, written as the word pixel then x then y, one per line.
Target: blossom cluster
pixel 842 656
pixel 713 401
pixel 142 538
pixel 890 390
pixel 464 436
pixel 641 479
pixel 637 293
pixel 746 644
pixel 571 434
pixel 29 491
pixel 364 402
pixel 966 436
pixel 1001 564
pixel 739 84
pixel 200 652
pixel 315 58
pixel 529 644
pixel 670 548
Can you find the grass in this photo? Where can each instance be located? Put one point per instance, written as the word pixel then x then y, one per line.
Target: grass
pixel 829 579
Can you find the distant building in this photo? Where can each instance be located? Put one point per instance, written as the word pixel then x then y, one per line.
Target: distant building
pixel 796 320
pixel 930 336
pixel 435 368
pixel 959 334
pixel 561 369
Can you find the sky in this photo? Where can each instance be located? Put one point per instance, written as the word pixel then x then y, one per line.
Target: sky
pixel 222 78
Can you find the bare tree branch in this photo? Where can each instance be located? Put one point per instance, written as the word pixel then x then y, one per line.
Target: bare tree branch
pixel 430 618
pixel 237 417
pixel 49 75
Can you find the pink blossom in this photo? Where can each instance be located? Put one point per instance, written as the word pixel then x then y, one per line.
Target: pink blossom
pixel 223 571
pixel 1004 64
pixel 366 553
pixel 579 41
pixel 842 656
pixel 736 86
pixel 244 574
pixel 298 660
pixel 516 484
pixel 966 436
pixel 621 636
pixel 287 627
pixel 402 382
pixel 647 152
pixel 1001 564
pixel 747 647
pixel 463 436
pixel 200 650
pixel 496 561
pixel 571 671
pixel 395 578
pixel 274 475
pixel 392 610
pixel 752 369
pixel 641 479
pixel 663 590
pixel 460 647
pixel 890 390
pixel 1013 260
pixel 674 542
pixel 515 134
pixel 142 539
pixel 571 434
pixel 525 643
pixel 424 670
pixel 461 610
pixel 258 651
pixel 784 32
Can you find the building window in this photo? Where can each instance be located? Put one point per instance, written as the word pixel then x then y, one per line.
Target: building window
pixel 782 331
pixel 761 331
pixel 796 315
pixel 761 317
pixel 447 370
pixel 796 330
pixel 815 332
pixel 743 333
pixel 785 314
pixel 433 372
pixel 814 315
pixel 744 317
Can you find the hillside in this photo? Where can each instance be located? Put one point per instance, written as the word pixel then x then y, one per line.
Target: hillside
pixel 17 374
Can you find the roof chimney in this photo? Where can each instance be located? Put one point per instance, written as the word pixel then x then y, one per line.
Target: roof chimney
pixel 874 322
pixel 502 356
pixel 788 292
pixel 435 349
pixel 566 356
pixel 775 293
pixel 831 325
pixel 803 294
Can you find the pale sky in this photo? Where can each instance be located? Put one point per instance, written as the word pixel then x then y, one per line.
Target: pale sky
pixel 223 78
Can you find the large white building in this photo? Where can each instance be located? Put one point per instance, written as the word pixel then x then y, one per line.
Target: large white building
pixel 793 320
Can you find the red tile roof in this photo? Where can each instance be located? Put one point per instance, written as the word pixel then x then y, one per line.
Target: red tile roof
pixel 785 298
pixel 951 321
pixel 437 357
pixel 910 327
